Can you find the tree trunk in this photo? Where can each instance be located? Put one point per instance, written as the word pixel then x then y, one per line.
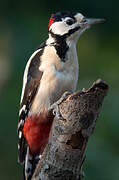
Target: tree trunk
pixel 63 156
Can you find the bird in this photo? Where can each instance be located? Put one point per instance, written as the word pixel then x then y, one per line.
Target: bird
pixel 52 70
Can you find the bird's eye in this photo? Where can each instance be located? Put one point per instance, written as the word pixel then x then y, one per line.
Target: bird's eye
pixel 69 21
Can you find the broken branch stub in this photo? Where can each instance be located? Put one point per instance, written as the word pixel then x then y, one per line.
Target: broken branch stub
pixel 63 156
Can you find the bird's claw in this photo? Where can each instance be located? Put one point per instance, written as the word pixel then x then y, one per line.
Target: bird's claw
pixel 58 114
pixel 63 97
pixel 54 107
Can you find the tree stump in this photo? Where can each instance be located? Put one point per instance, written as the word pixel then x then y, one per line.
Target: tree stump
pixel 63 156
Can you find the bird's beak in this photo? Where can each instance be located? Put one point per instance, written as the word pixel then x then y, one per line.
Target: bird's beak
pixel 87 22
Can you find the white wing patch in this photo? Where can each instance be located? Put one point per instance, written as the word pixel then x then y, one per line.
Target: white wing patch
pixel 20 134
pixel 21 123
pixel 22 109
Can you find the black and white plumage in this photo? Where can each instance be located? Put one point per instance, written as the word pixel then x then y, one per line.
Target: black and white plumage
pixel 51 70
pixel 31 81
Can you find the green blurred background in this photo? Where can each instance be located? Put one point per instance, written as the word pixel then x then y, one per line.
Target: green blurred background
pixel 23 26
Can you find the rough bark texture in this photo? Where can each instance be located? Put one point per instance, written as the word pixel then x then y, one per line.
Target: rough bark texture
pixel 63 156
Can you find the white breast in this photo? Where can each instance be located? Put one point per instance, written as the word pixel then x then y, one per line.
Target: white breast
pixel 57 78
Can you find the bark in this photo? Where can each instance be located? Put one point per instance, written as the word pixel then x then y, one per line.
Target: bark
pixel 63 156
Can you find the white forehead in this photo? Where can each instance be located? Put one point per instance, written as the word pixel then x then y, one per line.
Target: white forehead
pixel 79 17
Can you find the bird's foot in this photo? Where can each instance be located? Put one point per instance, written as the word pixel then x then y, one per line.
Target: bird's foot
pixel 55 107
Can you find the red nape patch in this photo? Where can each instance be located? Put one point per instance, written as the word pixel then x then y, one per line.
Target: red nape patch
pixel 50 21
pixel 36 131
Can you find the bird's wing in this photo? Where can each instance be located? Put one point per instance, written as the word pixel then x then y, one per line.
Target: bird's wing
pixel 31 82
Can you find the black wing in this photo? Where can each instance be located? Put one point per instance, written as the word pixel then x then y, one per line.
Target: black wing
pixel 33 78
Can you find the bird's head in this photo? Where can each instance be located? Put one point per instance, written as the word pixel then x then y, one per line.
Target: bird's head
pixel 70 24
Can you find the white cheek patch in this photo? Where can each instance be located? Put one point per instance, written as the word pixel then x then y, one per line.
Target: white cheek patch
pixel 59 28
pixel 79 17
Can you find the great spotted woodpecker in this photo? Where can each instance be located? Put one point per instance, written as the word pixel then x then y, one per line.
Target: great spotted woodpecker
pixel 51 70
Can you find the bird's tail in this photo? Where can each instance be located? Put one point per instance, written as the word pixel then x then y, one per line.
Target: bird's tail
pixel 30 164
